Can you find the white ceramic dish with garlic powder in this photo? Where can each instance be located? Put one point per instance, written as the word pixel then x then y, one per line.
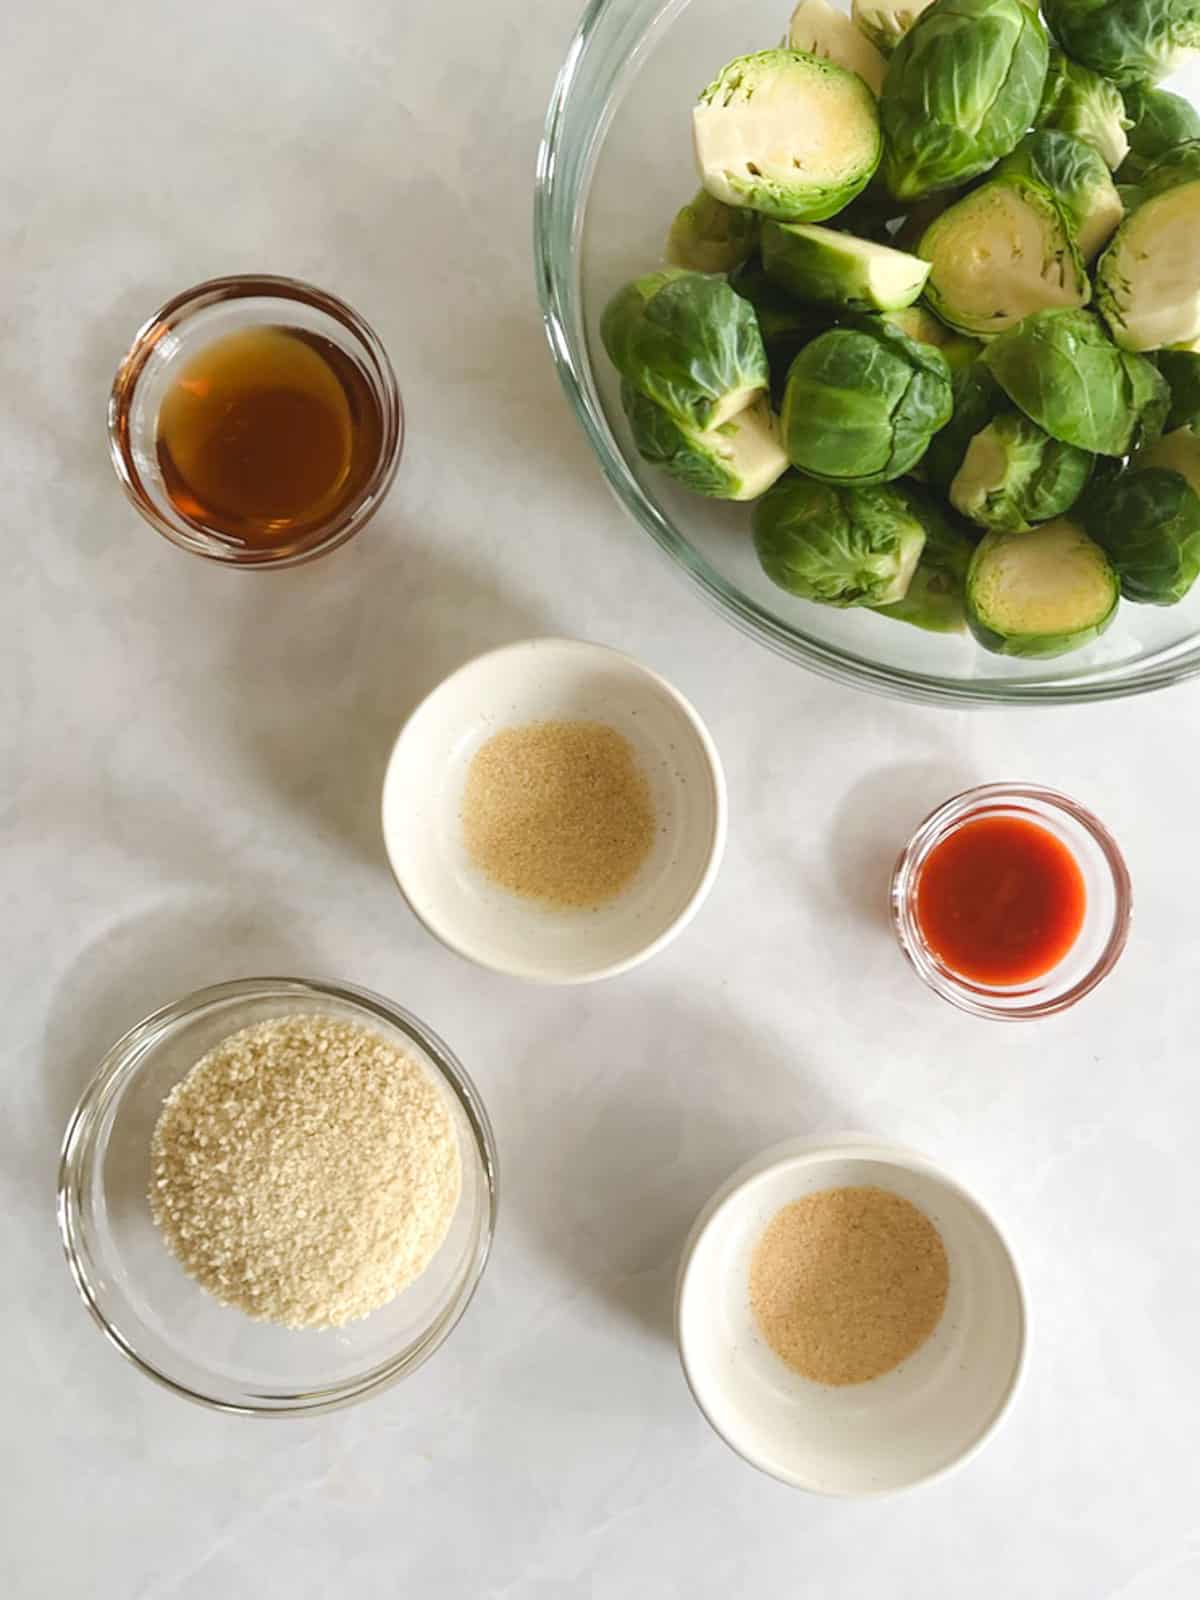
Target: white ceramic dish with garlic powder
pixel 552 680
pixel 912 1424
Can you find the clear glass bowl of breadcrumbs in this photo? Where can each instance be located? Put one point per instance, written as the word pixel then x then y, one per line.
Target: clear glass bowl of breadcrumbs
pixel 163 1321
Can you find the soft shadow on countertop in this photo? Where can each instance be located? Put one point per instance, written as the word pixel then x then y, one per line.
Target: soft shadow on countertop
pixel 185 939
pixel 319 730
pixel 874 822
pixel 638 1135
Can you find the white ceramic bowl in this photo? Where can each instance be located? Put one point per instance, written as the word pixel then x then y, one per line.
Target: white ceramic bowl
pixel 552 680
pixel 904 1428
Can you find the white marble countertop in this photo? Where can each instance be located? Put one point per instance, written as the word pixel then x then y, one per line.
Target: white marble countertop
pixel 191 764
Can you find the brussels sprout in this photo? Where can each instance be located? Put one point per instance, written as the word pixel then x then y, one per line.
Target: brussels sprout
pixel 707 236
pixel 739 460
pixel 1181 369
pixel 959 351
pixel 1178 451
pixel 1079 180
pixel 1148 523
pixel 787 135
pixel 1041 593
pixel 963 86
pixel 1077 100
pixel 689 343
pixel 978 398
pixel 885 22
pixel 1147 287
pixel 840 546
pixel 934 599
pixel 1159 120
pixel 862 403
pixel 1003 251
pixel 818 30
pixel 1129 41
pixel 1014 475
pixel 1061 369
pixel 835 269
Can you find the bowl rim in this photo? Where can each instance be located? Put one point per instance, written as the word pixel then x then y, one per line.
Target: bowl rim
pixel 945 819
pixel 806 1151
pixel 124 1059
pixel 529 973
pixel 557 275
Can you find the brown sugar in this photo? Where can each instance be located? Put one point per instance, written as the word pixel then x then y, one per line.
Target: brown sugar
pixel 558 811
pixel 848 1283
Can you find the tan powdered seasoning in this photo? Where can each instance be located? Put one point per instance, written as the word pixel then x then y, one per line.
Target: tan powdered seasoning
pixel 847 1283
pixel 305 1170
pixel 558 811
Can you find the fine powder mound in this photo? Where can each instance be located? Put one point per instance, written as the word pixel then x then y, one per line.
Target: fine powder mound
pixel 306 1170
pixel 558 811
pixel 848 1283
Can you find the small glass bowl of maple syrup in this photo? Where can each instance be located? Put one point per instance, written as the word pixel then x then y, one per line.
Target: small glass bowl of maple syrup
pixel 256 421
pixel 1012 901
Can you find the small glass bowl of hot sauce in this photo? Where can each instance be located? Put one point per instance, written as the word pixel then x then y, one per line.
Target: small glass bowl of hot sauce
pixel 256 421
pixel 1012 901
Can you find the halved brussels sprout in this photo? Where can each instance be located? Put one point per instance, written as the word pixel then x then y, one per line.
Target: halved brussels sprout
pixel 708 236
pixel 787 135
pixel 1076 175
pixel 1061 369
pixel 1013 475
pixel 1003 251
pixel 739 460
pixel 1079 101
pixel 1147 284
pixel 1041 593
pixel 830 268
pixel 862 403
pixel 1148 523
pixel 1129 41
pixel 689 343
pixel 819 30
pixel 934 599
pixel 839 546
pixel 963 86
pixel 1181 369
pixel 1159 120
pixel 885 22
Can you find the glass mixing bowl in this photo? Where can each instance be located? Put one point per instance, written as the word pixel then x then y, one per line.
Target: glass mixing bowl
pixel 615 165
pixel 158 1317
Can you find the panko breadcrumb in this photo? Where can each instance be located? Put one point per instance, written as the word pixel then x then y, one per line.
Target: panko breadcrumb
pixel 305 1171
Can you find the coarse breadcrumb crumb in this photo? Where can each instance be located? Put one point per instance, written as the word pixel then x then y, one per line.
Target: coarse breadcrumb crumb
pixel 305 1171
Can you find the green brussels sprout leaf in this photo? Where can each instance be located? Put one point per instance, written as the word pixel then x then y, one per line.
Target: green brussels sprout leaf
pixel 1148 523
pixel 1181 369
pixel 1078 101
pixel 1129 41
pixel 838 546
pixel 964 85
pixel 1063 372
pixel 1158 121
pixel 862 403
pixel 689 343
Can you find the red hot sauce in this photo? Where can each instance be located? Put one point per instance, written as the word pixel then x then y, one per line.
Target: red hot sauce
pixel 1000 901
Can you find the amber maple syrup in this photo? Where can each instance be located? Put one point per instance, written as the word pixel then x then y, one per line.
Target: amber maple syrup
pixel 266 435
